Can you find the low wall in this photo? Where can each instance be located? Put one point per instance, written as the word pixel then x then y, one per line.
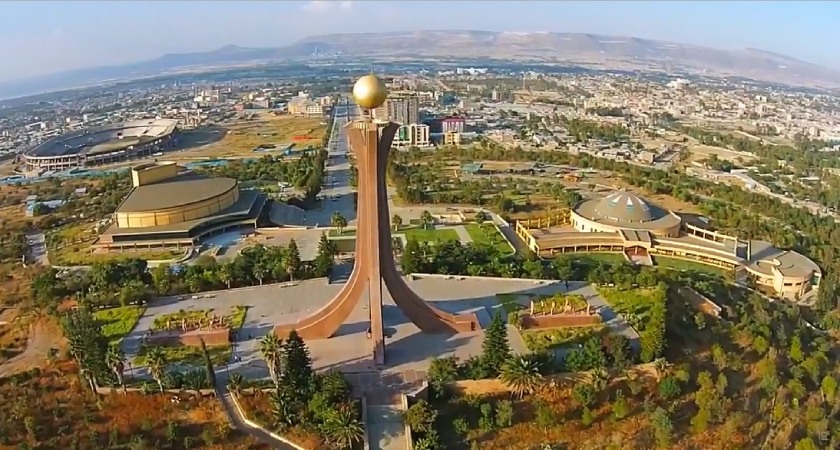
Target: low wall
pixel 700 301
pixel 559 320
pixel 408 399
pixel 365 435
pixel 190 338
pixel 257 426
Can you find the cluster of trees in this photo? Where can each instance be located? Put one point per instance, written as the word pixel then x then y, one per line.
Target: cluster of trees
pixel 301 398
pixel 304 173
pixel 131 282
pixel 583 130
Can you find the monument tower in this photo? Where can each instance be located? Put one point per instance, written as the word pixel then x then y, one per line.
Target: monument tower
pixel 374 268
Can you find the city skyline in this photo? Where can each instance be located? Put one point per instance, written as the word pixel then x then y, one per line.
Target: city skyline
pixel 74 35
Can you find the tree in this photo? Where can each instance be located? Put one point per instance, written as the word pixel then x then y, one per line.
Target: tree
pixel 411 260
pixel 495 348
pixel 209 370
pixel 156 361
pixel 325 258
pixel 343 427
pixel 87 345
pixel 271 348
pixel 116 362
pixel 662 427
pixel 521 375
pixel 420 417
pixel 298 375
pixel 426 219
pixel 162 278
pixel 504 413
pixel 226 274
pixel 293 261
pixel 481 217
pixel 396 222
pixel 442 371
pixel 620 407
pixel 338 221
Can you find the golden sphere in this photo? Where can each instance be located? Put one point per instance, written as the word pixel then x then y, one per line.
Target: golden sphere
pixel 370 92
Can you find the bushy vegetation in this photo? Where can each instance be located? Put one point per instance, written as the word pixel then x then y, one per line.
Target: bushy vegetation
pixel 130 282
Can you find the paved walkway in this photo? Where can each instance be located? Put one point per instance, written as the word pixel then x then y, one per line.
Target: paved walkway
pixel 237 421
pixel 386 430
pixel 463 235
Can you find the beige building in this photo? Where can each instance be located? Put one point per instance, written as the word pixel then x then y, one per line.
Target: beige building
pixel 625 223
pixel 402 107
pixel 169 208
pixel 414 135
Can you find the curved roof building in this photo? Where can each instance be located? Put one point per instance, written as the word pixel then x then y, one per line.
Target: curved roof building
pixel 101 145
pixel 623 210
pixel 624 222
pixel 168 208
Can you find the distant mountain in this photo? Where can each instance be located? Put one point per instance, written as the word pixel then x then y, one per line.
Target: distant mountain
pixel 589 50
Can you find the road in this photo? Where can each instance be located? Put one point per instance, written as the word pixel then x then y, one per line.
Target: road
pixel 337 192
pixel 37 248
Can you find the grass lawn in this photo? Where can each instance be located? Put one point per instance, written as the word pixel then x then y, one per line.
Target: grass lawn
pixel 488 234
pixel 539 340
pixel 607 258
pixel 688 266
pixel 635 305
pixel 186 355
pixel 430 235
pixel 118 322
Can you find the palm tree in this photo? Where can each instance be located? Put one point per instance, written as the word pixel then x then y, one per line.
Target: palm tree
pixel 115 359
pixel 271 348
pixel 156 361
pixel 396 222
pixel 343 427
pixel 226 274
pixel 236 381
pixel 259 272
pixel 521 375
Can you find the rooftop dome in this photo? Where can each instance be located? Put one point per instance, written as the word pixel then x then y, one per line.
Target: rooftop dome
pixel 623 206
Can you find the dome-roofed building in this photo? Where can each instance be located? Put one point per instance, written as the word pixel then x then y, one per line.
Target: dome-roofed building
pixel 623 222
pixel 623 210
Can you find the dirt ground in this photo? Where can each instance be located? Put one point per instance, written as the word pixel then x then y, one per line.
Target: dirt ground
pixel 240 139
pixel 42 335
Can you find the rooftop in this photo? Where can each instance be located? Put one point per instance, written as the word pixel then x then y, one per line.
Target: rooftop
pixel 626 210
pixel 178 191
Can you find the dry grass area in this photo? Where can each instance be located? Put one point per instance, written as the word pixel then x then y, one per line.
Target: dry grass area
pixel 265 128
pixel 566 429
pixel 257 407
pixel 700 152
pixel 50 409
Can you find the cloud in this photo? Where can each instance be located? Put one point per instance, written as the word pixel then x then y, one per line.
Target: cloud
pixel 319 6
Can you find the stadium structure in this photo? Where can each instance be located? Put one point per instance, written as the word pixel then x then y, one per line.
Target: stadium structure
pixel 102 145
pixel 170 208
pixel 623 222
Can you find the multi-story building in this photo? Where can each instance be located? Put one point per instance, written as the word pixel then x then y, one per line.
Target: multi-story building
pixel 452 138
pixel 455 124
pixel 413 135
pixel 402 107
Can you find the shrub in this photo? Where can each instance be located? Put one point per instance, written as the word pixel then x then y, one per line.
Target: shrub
pixel 504 413
pixel 486 422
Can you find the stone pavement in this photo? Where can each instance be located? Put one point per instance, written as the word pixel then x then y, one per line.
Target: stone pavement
pixel 386 430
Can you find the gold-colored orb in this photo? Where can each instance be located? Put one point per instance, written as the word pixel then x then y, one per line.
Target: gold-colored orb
pixel 370 92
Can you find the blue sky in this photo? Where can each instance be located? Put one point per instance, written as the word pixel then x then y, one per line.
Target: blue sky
pixel 46 37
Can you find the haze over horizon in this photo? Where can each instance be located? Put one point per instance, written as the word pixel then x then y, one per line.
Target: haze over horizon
pixel 48 37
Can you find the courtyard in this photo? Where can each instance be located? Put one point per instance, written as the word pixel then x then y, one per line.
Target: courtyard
pixel 408 350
